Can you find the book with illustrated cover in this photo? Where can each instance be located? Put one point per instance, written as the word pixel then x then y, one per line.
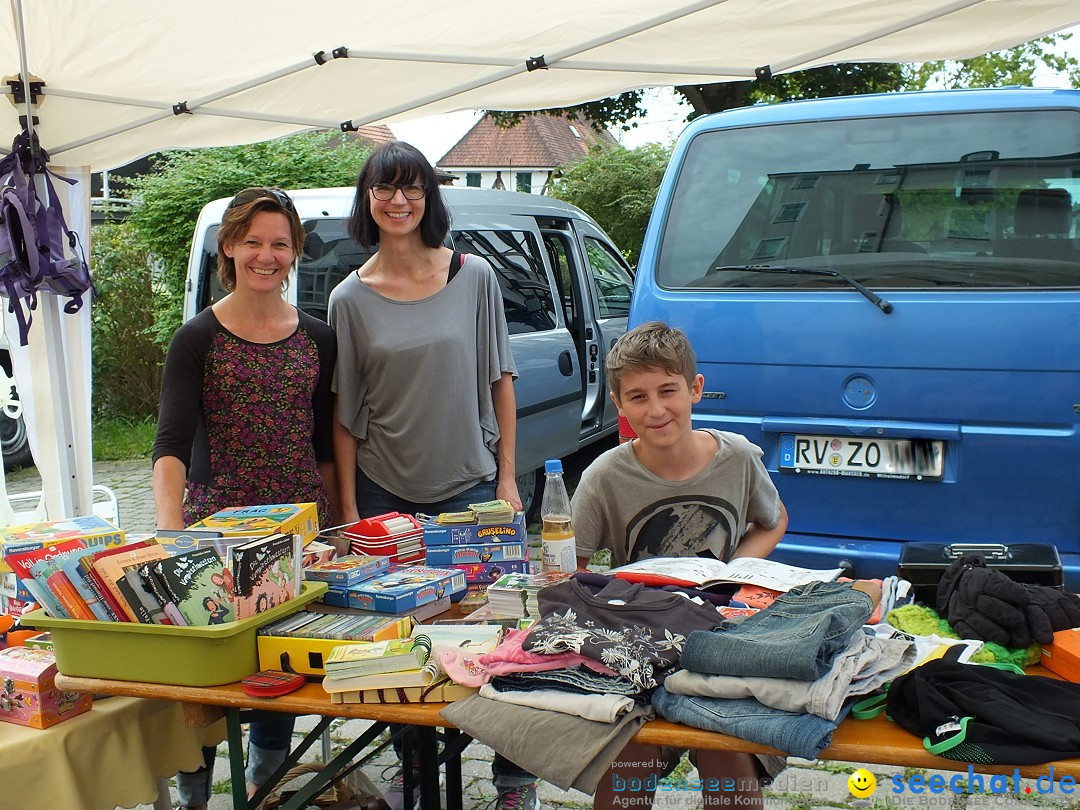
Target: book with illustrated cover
pixel 145 594
pixel 22 563
pixel 199 584
pixel 73 569
pixel 153 583
pixel 48 572
pixel 377 657
pixel 347 570
pixel 266 572
pixel 406 587
pixel 702 572
pixel 110 569
pixel 424 675
pixel 93 576
pixel 257 521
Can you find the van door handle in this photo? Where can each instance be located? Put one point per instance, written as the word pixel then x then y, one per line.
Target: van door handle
pixel 566 364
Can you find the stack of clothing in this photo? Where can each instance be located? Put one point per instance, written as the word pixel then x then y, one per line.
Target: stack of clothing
pixel 610 644
pixel 783 676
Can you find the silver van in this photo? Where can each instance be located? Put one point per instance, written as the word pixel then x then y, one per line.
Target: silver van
pixel 566 289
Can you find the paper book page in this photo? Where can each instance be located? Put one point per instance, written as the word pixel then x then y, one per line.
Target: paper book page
pixel 775 575
pixel 701 571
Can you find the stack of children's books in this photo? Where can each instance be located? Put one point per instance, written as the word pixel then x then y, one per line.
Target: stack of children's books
pixel 84 577
pixel 404 671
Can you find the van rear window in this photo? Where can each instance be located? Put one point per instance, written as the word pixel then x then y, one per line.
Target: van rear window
pixel 972 200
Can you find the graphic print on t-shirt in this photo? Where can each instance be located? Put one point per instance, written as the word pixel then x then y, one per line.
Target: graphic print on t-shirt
pixel 683 526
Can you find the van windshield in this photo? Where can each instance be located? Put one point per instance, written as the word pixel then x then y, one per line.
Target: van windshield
pixel 965 200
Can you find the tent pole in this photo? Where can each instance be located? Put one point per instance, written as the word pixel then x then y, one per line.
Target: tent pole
pixel 56 352
pixel 24 72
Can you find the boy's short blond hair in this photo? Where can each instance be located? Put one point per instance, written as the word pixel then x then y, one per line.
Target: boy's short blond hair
pixel 651 345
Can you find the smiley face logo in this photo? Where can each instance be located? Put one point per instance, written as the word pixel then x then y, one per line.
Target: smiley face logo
pixel 862 783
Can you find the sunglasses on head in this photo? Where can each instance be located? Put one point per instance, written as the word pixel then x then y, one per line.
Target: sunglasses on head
pixel 385 192
pixel 252 194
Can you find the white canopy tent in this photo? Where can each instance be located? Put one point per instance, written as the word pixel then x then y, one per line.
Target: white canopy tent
pixel 113 80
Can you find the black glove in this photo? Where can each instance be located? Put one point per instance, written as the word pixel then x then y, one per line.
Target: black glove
pixel 1050 610
pixel 985 604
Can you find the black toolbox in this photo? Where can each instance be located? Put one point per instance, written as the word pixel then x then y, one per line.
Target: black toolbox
pixel 922 564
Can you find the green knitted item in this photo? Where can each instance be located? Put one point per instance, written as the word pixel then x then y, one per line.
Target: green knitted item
pixel 919 620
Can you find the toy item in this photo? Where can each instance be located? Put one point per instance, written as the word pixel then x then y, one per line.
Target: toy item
pixel 271 683
pixel 28 693
pixel 394 535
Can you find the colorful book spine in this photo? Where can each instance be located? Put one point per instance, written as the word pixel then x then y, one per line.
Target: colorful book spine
pixel 61 586
pixel 76 575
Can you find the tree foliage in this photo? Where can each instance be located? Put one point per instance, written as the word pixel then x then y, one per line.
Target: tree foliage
pixel 126 358
pixel 170 197
pixel 617 187
pixel 1012 66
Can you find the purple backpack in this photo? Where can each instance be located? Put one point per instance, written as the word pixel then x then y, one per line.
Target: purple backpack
pixel 33 234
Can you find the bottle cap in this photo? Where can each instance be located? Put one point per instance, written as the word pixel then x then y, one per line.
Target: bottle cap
pixel 553 465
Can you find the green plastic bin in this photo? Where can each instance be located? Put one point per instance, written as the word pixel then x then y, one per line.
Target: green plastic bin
pixel 155 653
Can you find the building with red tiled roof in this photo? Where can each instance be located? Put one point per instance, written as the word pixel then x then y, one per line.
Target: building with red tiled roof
pixel 523 157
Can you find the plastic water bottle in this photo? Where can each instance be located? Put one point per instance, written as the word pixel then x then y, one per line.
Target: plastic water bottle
pixel 557 535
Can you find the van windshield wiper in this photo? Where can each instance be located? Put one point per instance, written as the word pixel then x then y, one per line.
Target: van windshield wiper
pixel 869 294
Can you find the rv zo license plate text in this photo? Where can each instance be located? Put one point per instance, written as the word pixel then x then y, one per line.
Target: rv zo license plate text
pixel 856 457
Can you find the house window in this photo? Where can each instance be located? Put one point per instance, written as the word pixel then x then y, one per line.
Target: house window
pixel 472 179
pixel 524 182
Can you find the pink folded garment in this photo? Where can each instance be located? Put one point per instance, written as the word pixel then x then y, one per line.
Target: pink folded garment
pixel 508 658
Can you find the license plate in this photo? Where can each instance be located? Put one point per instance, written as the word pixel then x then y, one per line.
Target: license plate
pixel 906 459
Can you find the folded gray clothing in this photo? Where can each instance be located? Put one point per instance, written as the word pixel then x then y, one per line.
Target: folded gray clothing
pixel 867 663
pixel 602 708
pixel 567 751
pixel 578 680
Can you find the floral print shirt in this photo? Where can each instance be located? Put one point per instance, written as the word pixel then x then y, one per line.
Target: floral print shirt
pixel 250 420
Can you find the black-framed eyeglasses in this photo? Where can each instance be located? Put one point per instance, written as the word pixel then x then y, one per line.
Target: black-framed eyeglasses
pixel 249 195
pixel 385 192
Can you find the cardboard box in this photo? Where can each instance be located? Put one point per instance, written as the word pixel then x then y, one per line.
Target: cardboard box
pixel 287 518
pixel 161 653
pixel 28 693
pixel 93 530
pixel 514 532
pixel 1063 656
pixel 476 553
pixel 406 587
pixel 491 571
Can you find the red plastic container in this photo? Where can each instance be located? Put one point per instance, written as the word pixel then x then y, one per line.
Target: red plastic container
pixel 395 535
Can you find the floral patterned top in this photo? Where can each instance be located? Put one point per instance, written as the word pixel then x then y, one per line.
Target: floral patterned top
pixel 250 421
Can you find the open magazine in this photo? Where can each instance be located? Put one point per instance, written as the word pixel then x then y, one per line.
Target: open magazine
pixel 701 572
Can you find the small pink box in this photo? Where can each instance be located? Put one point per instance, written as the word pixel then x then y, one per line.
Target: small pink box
pixel 28 693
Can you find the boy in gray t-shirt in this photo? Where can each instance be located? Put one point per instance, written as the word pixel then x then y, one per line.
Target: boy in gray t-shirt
pixel 673 492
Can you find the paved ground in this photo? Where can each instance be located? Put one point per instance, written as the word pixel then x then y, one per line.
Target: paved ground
pixel 803 784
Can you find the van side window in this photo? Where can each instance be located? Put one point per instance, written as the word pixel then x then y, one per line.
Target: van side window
pixel 527 297
pixel 613 284
pixel 329 255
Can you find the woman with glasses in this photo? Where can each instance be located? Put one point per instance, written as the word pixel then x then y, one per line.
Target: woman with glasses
pixel 425 378
pixel 246 413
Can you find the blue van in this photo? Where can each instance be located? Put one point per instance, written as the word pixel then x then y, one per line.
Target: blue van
pixel 884 294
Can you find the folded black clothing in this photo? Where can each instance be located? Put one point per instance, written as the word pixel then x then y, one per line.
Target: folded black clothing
pixel 983 714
